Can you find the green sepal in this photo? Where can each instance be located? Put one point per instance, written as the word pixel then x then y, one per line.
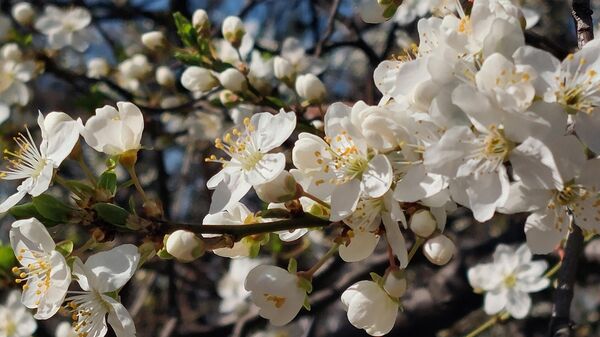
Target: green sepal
pixel 305 284
pixel 27 210
pixel 306 303
pixel 254 249
pixel 7 258
pixel 51 208
pixel 65 247
pixel 108 182
pixel 163 254
pixel 390 11
pixel 275 101
pixel 376 278
pixel 70 263
pixel 112 214
pixel 292 266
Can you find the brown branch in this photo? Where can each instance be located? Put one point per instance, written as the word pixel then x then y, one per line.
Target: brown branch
pixel 560 324
pixel 329 30
pixel 582 14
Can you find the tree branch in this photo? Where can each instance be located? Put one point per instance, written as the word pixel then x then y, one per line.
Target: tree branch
pixel 582 14
pixel 329 30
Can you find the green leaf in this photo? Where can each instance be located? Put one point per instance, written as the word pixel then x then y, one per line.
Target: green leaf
pixel 185 30
pixel 275 101
pixel 26 211
pixel 51 208
pixel 112 214
pixel 79 187
pixel 7 258
pixel 108 182
pixel 65 247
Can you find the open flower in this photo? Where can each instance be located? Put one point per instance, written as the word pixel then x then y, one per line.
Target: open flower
pixel 65 27
pixel 34 165
pixel 250 162
pixel 236 214
pixel 370 307
pixel 276 292
pixel 44 270
pixel 113 131
pixel 508 280
pixel 103 273
pixel 231 286
pixel 342 163
pixel 15 320
pixel 14 73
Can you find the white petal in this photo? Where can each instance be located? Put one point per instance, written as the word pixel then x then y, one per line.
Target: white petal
pixel 344 200
pixel 396 240
pixel 544 230
pixel 267 169
pixel 587 127
pixel 518 304
pixel 495 301
pixel 377 179
pixel 31 235
pixel 229 191
pixel 113 268
pixel 361 246
pixel 272 130
pixel 13 200
pixel 120 319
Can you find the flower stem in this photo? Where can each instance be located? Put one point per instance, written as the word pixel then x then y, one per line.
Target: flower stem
pixel 136 183
pixel 309 273
pixel 488 324
pixel 86 170
pixel 315 199
pixel 413 250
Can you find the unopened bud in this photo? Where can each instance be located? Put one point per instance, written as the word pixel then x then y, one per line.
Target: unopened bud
pixel 284 70
pixel 233 80
pixel 310 88
pixel 198 79
pixel 200 21
pixel 228 98
pixel 281 189
pixel 423 223
pixel 154 40
pixel 233 30
pixel 439 250
pixel 395 283
pixel 23 13
pixel 11 51
pixel 97 67
pixel 165 77
pixel 184 246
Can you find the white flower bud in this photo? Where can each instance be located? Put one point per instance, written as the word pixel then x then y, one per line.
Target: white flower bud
pixel 281 189
pixel 395 283
pixel 423 223
pixel 164 76
pixel 198 79
pixel 233 80
pixel 318 124
pixel 11 51
pixel 23 13
pixel 310 88
pixel 228 98
pixel 200 20
pixel 97 67
pixel 154 40
pixel 283 69
pixel 439 250
pixel 184 246
pixel 233 30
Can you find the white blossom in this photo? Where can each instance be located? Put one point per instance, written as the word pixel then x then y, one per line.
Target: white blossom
pixel 370 307
pixel 439 249
pixel 15 320
pixel 231 285
pixel 508 280
pixel 97 67
pixel 198 79
pixel 65 27
pixel 154 40
pixel 23 13
pixel 35 165
pixel 44 270
pixel 103 273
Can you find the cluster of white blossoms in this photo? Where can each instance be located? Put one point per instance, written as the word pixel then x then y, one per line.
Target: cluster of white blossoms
pixel 46 278
pixel 471 117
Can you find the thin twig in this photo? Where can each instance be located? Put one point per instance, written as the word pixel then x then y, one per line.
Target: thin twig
pixel 329 30
pixel 582 14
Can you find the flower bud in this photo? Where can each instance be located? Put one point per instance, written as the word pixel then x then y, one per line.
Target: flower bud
pixel 184 246
pixel 97 67
pixel 283 69
pixel 281 189
pixel 439 249
pixel 198 79
pixel 233 30
pixel 164 76
pixel 310 88
pixel 200 21
pixel 233 80
pixel 23 13
pixel 423 223
pixel 154 40
pixel 228 98
pixel 395 283
pixel 11 51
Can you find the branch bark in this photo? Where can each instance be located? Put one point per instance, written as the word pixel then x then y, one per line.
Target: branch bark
pixel 582 14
